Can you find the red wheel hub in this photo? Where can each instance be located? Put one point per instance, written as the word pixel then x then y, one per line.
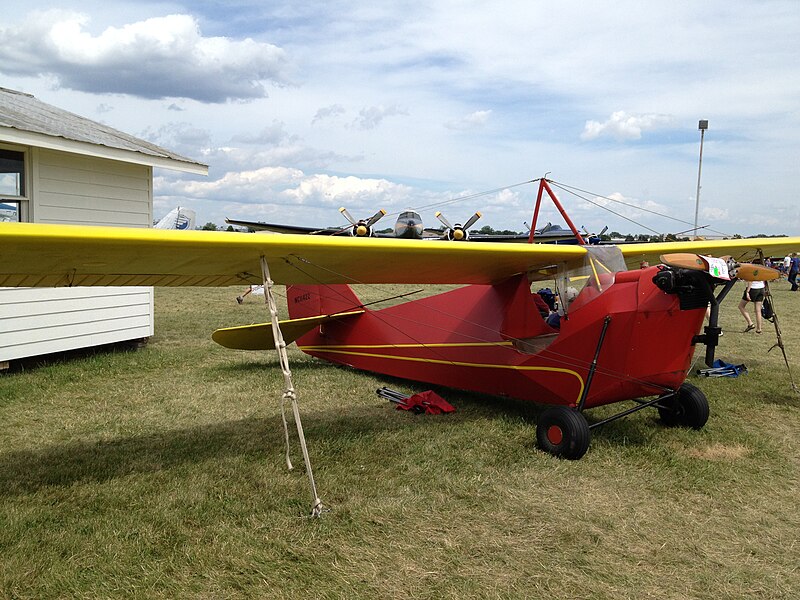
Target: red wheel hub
pixel 555 435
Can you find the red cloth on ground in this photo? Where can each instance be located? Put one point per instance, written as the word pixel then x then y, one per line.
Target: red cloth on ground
pixel 428 402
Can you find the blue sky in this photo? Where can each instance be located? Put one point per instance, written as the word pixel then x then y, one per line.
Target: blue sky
pixel 301 107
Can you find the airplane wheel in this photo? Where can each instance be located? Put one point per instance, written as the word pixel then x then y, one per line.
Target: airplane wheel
pixel 687 408
pixel 563 432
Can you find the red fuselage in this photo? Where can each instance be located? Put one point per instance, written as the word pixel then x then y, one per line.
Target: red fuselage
pixel 492 339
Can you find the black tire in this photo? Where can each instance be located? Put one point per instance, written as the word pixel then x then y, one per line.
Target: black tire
pixel 686 408
pixel 563 432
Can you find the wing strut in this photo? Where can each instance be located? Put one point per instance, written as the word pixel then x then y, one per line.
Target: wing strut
pixel 289 393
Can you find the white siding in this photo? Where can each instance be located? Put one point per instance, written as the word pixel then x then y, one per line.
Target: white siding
pixel 72 189
pixel 41 321
pixel 81 190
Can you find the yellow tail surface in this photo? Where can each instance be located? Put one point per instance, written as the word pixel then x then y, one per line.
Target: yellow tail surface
pixel 259 336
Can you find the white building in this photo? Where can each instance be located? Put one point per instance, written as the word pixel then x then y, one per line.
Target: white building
pixel 58 167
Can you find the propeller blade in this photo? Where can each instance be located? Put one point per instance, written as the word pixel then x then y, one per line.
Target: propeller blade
pixel 348 216
pixel 472 220
pixel 684 260
pixel 752 272
pixel 443 220
pixel 375 218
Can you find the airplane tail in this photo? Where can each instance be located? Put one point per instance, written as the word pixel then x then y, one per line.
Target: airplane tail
pixel 314 300
pixel 178 218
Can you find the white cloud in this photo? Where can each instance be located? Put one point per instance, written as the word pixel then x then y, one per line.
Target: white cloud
pixel 713 213
pixel 160 57
pixel 355 191
pixel 248 185
pixel 371 116
pixel 273 134
pixel 622 126
pixel 472 121
pixel 282 185
pixel 328 112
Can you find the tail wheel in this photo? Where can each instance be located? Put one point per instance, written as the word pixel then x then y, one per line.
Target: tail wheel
pixel 563 432
pixel 688 407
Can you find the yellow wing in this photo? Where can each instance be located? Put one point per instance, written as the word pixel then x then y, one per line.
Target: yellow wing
pixel 741 250
pixel 38 255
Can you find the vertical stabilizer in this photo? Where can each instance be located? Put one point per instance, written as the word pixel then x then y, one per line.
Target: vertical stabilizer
pixel 180 218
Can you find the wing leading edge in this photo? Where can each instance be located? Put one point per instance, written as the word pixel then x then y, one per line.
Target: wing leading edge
pixel 741 250
pixel 38 255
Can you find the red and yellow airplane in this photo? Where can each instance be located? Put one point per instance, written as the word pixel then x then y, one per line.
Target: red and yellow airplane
pixel 624 334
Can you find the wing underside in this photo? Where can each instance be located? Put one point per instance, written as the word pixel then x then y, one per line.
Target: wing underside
pixel 37 255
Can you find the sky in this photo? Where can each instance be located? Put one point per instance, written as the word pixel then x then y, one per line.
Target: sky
pixel 302 107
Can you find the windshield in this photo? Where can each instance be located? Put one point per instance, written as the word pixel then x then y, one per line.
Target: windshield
pixel 592 278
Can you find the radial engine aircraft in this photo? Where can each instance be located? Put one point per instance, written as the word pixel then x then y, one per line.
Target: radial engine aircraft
pixel 625 335
pixel 409 225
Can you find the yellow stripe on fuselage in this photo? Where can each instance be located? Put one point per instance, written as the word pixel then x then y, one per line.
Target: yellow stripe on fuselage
pixel 442 345
pixel 349 350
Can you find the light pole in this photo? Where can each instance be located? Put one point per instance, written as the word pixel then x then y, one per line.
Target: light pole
pixel 702 126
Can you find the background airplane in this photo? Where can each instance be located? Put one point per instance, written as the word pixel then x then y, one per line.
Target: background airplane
pixel 409 225
pixel 178 218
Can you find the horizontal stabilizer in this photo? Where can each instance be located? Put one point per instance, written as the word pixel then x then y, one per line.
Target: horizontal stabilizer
pixel 259 336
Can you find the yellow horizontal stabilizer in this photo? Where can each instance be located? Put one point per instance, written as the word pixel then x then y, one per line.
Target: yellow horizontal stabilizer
pixel 259 336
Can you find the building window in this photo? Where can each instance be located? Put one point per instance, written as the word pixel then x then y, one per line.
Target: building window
pixel 13 193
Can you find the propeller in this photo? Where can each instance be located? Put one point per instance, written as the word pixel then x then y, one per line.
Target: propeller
pixel 362 227
pixel 684 260
pixel 754 272
pixel 457 232
pixel 593 238
pixel 743 271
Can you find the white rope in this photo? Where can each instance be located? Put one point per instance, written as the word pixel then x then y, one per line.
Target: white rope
pixel 289 391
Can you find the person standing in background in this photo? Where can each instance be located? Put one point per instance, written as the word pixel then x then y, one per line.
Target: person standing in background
pixel 794 268
pixel 753 293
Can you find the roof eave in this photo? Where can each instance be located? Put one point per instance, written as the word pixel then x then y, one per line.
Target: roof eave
pixel 39 140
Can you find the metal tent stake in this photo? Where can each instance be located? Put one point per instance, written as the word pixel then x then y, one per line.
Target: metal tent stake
pixel 289 392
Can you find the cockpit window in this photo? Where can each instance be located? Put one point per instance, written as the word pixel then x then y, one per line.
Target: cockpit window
pixel 587 282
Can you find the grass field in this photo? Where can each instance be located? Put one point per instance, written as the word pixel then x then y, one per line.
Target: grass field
pixel 159 473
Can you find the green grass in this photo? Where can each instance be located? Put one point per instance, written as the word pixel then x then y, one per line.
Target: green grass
pixel 159 473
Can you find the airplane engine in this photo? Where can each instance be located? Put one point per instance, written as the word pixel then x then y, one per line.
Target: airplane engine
pixel 695 289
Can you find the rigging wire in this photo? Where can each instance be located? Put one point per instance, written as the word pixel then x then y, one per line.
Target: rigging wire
pixel 466 197
pixel 573 190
